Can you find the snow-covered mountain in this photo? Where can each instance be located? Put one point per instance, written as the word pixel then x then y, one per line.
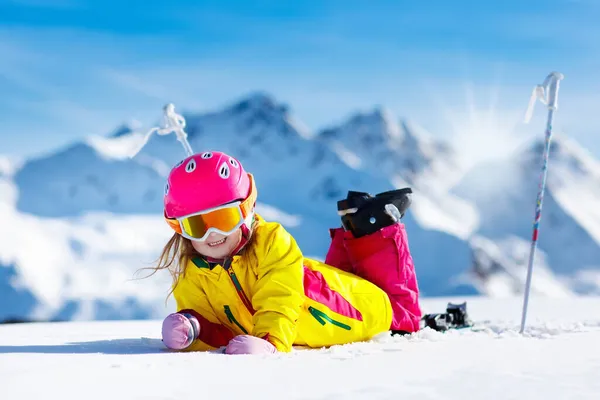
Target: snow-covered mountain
pixel 407 155
pixel 295 174
pixel 499 269
pixel 402 151
pixel 505 194
pixel 94 175
pixel 92 215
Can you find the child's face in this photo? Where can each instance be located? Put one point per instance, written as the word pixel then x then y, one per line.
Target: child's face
pixel 214 248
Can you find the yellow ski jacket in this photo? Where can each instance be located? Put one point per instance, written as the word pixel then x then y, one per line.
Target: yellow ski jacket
pixel 271 291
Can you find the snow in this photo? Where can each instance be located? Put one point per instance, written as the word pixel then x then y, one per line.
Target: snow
pixel 81 179
pixel 444 212
pixel 117 147
pixel 578 172
pixel 84 268
pixel 503 266
pixel 556 358
pixel 347 156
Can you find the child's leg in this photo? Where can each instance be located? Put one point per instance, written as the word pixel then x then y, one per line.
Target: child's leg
pixel 336 255
pixel 384 259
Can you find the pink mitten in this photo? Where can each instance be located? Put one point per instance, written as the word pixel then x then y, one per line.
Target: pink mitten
pixel 180 330
pixel 246 344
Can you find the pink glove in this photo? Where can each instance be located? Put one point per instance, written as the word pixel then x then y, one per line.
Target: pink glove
pixel 246 344
pixel 180 330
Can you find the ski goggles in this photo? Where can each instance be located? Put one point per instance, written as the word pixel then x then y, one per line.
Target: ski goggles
pixel 224 219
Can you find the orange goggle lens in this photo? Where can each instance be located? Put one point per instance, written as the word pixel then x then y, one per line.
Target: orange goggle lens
pixel 224 219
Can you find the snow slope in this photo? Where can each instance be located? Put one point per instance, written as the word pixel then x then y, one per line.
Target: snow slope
pixel 556 358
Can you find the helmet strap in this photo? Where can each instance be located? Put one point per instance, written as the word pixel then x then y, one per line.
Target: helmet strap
pixel 246 233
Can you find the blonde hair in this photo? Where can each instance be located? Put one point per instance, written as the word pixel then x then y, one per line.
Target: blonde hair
pixel 174 258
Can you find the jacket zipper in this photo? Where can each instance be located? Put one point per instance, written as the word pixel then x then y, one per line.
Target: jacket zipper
pixel 238 286
pixel 324 318
pixel 232 319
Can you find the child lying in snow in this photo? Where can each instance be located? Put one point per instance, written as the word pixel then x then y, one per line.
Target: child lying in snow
pixel 242 282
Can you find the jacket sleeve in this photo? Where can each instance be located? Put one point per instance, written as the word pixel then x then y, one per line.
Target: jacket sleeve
pixel 279 291
pixel 192 300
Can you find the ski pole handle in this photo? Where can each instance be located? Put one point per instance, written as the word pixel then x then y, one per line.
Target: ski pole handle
pixel 546 93
pixel 173 122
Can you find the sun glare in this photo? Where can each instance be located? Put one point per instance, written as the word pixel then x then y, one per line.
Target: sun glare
pixel 483 132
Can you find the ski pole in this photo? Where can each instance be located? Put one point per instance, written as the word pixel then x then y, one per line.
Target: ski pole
pixel 547 93
pixel 173 122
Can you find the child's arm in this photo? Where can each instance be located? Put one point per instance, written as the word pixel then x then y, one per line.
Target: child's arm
pixel 279 292
pixel 193 301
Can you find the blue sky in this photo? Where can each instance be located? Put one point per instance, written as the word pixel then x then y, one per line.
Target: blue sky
pixel 72 68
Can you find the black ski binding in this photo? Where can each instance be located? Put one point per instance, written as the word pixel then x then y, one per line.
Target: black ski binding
pixel 455 317
pixel 363 214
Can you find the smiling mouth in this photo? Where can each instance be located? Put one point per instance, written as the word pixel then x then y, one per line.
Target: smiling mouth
pixel 218 242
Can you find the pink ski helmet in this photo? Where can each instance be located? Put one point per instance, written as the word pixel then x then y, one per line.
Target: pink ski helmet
pixel 207 180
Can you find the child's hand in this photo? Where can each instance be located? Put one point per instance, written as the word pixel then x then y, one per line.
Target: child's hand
pixel 180 330
pixel 246 344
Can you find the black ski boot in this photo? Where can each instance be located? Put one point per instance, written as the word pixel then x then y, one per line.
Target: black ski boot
pixel 363 214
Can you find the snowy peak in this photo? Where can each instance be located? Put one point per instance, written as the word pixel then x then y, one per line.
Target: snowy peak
pixel 257 123
pixel 88 177
pixel 125 129
pixel 419 141
pixel 259 103
pixel 406 155
pixel 404 151
pixel 98 175
pixel 565 155
pixel 259 111
pixel 366 131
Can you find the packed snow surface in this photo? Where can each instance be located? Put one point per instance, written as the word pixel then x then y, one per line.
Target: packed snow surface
pixel 557 357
